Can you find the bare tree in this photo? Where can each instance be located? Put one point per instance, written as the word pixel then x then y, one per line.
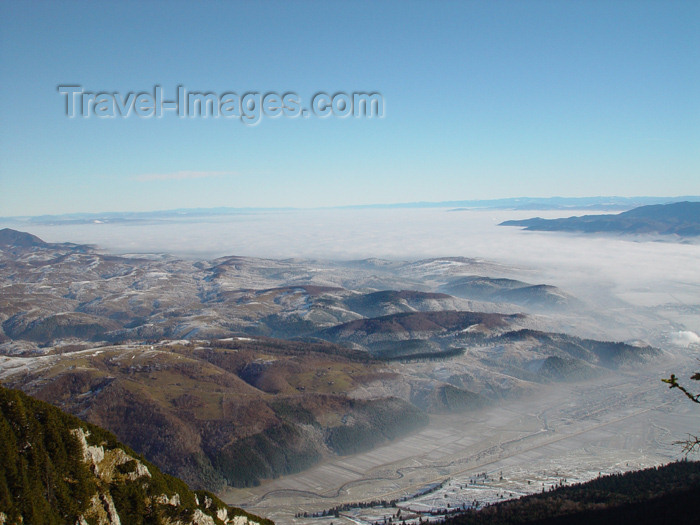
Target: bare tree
pixel 692 444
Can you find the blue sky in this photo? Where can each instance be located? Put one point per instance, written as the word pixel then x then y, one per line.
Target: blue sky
pixel 482 100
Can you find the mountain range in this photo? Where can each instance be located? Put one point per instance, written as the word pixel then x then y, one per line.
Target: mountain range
pixel 516 203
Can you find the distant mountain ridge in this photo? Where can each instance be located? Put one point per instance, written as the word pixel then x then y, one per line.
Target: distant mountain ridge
pixel 518 203
pixel 14 241
pixel 14 238
pixel 678 218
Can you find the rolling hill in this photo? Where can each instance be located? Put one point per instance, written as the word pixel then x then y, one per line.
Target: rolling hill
pixel 535 297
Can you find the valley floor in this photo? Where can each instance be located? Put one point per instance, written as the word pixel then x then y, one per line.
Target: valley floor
pixel 566 434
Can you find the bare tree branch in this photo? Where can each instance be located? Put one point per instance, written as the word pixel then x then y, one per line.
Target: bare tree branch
pixel 692 444
pixel 673 382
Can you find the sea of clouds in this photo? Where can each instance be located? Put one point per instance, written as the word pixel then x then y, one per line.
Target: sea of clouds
pixel 644 271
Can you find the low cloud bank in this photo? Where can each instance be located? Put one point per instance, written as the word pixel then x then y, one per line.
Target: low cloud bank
pixel 686 338
pixel 648 273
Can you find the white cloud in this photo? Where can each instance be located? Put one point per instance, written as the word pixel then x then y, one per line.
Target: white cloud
pixel 181 175
pixel 686 338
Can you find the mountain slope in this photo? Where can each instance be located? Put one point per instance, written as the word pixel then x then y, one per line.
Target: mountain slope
pixel 56 469
pixel 231 412
pixel 679 218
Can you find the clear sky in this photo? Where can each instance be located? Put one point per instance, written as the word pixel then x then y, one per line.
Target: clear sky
pixel 481 100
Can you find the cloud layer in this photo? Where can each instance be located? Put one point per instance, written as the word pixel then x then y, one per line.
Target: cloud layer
pixel 645 273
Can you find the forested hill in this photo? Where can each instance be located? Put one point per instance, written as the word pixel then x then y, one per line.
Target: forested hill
pixel 655 496
pixel 56 469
